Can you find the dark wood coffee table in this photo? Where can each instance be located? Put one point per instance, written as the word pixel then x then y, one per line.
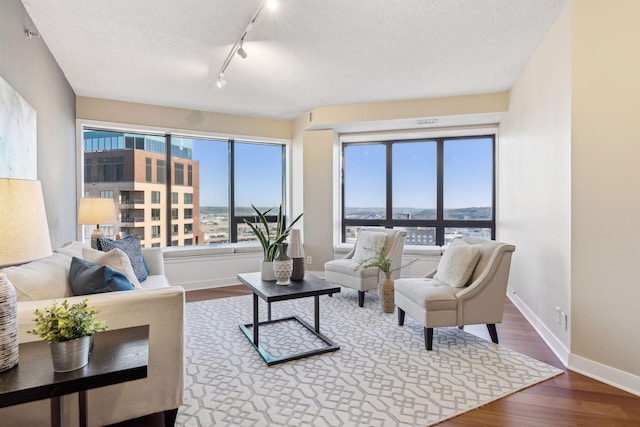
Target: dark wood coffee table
pixel 270 292
pixel 117 356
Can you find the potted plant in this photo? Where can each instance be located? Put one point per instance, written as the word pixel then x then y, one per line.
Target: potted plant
pixel 386 286
pixel 268 241
pixel 68 329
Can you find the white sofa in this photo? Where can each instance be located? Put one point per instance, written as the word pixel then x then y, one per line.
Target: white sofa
pixel 157 304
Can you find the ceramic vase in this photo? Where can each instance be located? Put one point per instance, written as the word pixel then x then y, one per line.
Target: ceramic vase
pixel 8 324
pixel 70 355
pixel 296 252
pixel 282 265
pixel 266 271
pixel 385 293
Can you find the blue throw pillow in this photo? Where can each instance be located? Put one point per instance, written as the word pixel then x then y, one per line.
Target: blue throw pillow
pixel 130 245
pixel 89 278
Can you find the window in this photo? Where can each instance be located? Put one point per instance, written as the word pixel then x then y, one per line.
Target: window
pixel 188 242
pixel 174 229
pixel 179 174
pixel 174 198
pixel 106 194
pixel 188 213
pixel 155 231
pixel 110 169
pixel 188 198
pixel 155 214
pixel 436 189
pixel 190 175
pixel 88 171
pixel 188 228
pixel 155 197
pixel 147 163
pixel 161 171
pixel 174 213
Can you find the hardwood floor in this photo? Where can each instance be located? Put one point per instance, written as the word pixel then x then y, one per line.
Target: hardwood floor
pixel 567 400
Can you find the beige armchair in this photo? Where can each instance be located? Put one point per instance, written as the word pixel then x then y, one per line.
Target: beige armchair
pixel 345 272
pixel 480 298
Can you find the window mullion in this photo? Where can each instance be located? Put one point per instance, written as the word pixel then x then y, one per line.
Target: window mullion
pixel 439 191
pixel 389 183
pixel 233 226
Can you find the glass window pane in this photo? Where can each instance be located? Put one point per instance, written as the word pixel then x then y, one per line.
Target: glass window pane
pixel 419 235
pixel 414 180
pixel 212 174
pixel 451 233
pixel 468 179
pixel 258 178
pixel 364 181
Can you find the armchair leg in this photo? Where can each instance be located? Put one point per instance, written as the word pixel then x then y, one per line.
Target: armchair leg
pixel 400 317
pixel 493 332
pixel 428 338
pixel 360 298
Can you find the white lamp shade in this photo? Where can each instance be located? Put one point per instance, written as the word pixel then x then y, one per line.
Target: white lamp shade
pixel 95 211
pixel 24 232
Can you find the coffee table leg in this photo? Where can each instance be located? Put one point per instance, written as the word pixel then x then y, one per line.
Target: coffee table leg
pixel 255 319
pixel 82 407
pixel 316 309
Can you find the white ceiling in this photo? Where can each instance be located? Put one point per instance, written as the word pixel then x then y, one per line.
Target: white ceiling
pixel 306 54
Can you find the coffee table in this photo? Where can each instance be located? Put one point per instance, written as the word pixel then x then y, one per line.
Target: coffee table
pixel 270 292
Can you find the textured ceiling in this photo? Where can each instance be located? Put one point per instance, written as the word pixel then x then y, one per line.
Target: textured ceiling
pixel 306 54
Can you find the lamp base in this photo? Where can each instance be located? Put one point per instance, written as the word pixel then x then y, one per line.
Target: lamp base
pixel 94 237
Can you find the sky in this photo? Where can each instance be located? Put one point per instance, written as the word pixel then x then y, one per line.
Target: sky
pixel 467 174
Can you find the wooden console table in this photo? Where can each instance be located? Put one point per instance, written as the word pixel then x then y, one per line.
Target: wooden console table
pixel 118 356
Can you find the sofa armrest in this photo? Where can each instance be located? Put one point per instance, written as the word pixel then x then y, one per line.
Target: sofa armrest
pixel 155 261
pixel 163 310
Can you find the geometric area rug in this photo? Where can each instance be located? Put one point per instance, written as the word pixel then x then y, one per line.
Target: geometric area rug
pixel 382 375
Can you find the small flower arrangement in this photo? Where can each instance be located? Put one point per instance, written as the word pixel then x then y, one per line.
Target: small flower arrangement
pixel 64 322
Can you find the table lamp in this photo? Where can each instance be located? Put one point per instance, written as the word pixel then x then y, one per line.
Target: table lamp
pixel 24 237
pixel 96 211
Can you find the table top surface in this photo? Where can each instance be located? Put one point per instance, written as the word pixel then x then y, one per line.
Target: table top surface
pixel 269 291
pixel 117 356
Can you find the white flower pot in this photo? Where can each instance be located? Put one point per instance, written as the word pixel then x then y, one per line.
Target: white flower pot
pixel 266 270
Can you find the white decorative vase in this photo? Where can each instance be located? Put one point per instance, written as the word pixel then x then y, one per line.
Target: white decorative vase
pixel 266 271
pixel 70 355
pixel 283 265
pixel 8 324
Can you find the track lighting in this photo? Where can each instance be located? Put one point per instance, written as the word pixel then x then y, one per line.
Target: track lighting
pixel 237 46
pixel 241 51
pixel 221 81
pixel 31 34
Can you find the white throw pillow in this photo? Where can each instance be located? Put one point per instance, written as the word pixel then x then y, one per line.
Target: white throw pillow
pixel 368 244
pixel 457 263
pixel 116 259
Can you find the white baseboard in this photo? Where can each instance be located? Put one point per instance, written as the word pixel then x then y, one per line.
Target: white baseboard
pixel 547 336
pixel 599 372
pixel 606 374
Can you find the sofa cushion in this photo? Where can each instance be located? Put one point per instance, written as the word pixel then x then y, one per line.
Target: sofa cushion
pixel 431 294
pixel 131 246
pixel 88 278
pixel 351 267
pixel 457 263
pixel 115 259
pixel 47 278
pixel 155 281
pixel 369 244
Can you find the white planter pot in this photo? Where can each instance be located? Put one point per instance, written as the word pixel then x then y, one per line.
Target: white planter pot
pixel 266 270
pixel 70 355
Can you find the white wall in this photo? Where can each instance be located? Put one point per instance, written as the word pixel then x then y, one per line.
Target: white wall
pixel 534 185
pixel 605 202
pixel 28 66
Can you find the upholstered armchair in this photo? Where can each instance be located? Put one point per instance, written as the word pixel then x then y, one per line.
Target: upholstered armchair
pixel 346 271
pixel 468 287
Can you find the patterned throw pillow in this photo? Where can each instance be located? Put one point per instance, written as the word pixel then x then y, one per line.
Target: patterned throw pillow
pixel 116 259
pixel 130 245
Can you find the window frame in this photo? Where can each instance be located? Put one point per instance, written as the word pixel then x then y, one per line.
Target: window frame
pixel 439 223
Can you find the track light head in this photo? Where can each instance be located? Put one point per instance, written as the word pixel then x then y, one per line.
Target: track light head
pixel 221 81
pixel 241 52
